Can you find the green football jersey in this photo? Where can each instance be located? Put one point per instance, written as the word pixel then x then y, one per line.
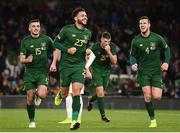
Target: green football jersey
pixel 102 60
pixel 71 36
pixel 147 51
pixel 39 48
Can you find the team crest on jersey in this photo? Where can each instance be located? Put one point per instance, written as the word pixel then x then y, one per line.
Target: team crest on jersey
pixel 152 45
pixel 85 37
pixel 43 45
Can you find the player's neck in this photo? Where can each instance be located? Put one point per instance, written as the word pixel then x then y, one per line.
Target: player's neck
pixel 145 34
pixel 79 26
pixel 35 35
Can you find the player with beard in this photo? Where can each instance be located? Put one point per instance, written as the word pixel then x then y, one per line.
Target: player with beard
pixel 72 40
pixel 146 58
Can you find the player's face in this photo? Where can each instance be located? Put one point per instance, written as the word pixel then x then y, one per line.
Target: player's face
pixel 34 28
pixel 144 25
pixel 105 42
pixel 81 18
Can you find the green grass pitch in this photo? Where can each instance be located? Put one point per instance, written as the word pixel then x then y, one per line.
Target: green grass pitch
pixel 121 121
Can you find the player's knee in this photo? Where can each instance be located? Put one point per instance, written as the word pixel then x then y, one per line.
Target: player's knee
pixel 157 98
pixel 42 95
pixel 147 98
pixel 30 98
pixel 100 94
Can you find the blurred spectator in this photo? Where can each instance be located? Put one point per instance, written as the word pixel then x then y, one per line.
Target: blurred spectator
pixel 5 83
pixel 2 59
pixel 118 17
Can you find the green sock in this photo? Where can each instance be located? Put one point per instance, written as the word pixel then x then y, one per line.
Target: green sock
pixel 76 107
pixel 31 112
pixel 100 102
pixel 93 98
pixel 150 110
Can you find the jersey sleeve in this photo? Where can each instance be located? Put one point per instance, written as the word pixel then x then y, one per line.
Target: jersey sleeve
pixel 51 48
pixel 61 36
pixel 162 43
pixel 166 49
pixel 51 44
pixel 58 42
pixel 133 52
pixel 90 35
pixel 93 47
pixel 23 48
pixel 88 43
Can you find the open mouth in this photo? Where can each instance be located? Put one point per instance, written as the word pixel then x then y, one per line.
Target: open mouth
pixel 142 28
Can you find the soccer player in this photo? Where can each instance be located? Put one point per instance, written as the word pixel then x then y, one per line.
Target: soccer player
pixel 72 40
pixel 69 100
pixel 88 77
pixel 105 53
pixel 34 54
pixel 145 58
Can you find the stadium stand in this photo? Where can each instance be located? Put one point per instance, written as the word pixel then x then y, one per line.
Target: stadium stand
pixel 119 17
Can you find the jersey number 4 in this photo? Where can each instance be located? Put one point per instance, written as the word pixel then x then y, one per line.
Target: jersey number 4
pixel 147 50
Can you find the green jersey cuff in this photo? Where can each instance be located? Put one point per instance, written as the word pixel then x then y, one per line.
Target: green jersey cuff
pixel 133 60
pixel 60 47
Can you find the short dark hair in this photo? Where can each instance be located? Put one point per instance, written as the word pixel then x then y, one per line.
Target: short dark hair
pixel 76 11
pixel 106 35
pixel 145 17
pixel 34 20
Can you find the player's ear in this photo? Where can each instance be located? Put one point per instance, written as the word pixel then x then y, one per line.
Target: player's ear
pixel 102 39
pixel 29 27
pixel 75 18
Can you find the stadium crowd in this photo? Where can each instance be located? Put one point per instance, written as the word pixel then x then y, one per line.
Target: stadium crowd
pixel 119 18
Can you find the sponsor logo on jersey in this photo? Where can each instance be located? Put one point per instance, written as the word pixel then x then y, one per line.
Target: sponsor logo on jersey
pixel 85 37
pixel 43 44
